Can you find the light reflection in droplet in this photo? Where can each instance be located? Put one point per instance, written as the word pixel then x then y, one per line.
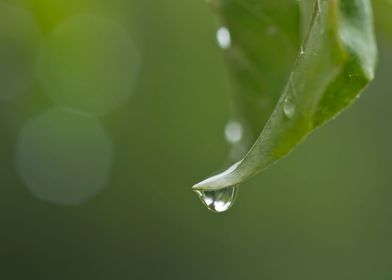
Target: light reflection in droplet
pixel 289 107
pixel 302 50
pixel 220 200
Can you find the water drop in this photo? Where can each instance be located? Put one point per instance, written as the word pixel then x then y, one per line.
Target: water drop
pixel 220 200
pixel 289 107
pixel 233 132
pixel 224 38
pixel 302 50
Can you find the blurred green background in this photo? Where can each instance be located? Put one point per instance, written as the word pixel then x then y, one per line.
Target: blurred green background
pixel 111 110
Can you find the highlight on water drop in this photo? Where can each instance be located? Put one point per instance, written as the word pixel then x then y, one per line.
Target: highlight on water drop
pixel 289 107
pixel 220 200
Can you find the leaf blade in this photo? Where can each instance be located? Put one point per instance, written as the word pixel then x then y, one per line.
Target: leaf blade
pixel 339 61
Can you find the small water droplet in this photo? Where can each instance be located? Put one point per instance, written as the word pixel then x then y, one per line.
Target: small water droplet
pixel 224 38
pixel 289 107
pixel 220 200
pixel 233 132
pixel 302 51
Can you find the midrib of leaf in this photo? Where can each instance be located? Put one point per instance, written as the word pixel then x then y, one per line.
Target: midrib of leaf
pixel 338 62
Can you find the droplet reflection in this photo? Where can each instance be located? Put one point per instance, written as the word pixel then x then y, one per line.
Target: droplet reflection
pixel 289 107
pixel 220 200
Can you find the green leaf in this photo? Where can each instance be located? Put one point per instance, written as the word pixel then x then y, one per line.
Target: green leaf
pixel 337 62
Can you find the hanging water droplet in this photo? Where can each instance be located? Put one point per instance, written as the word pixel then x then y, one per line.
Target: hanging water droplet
pixel 223 38
pixel 233 132
pixel 288 107
pixel 220 200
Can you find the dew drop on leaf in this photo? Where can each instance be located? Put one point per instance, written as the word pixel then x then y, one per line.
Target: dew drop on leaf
pixel 289 107
pixel 220 200
pixel 302 51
